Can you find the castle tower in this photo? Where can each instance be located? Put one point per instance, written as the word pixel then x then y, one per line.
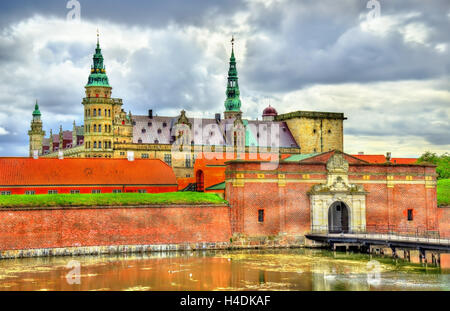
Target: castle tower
pixel 50 146
pixel 233 102
pixel 61 138
pixel 103 115
pixel 36 133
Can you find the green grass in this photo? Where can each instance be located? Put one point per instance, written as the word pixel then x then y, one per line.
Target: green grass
pixel 443 192
pixel 106 199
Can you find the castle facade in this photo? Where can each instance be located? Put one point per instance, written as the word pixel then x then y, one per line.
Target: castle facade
pixel 109 132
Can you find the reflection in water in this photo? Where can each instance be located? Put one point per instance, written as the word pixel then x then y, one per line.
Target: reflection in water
pixel 298 269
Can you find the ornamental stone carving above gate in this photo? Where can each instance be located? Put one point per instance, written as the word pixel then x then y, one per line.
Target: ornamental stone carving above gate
pixel 337 189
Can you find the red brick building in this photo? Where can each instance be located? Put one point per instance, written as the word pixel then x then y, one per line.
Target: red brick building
pixel 52 176
pixel 331 191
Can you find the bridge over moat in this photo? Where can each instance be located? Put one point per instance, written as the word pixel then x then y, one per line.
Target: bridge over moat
pixel 394 238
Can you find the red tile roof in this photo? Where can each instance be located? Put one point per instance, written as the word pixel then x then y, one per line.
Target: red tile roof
pixel 28 171
pixel 371 158
pixel 403 160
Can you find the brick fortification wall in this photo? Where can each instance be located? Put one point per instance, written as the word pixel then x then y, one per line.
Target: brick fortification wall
pixel 282 195
pixel 23 229
pixel 444 221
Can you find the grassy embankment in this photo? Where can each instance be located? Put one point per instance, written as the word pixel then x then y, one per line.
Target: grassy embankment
pixel 107 199
pixel 443 192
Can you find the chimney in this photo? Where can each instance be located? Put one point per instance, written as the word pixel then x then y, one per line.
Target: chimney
pixel 361 153
pixel 388 156
pixel 150 114
pixel 35 154
pixel 218 117
pixel 130 156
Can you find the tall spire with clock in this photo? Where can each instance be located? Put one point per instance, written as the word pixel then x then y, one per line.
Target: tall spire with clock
pixel 233 102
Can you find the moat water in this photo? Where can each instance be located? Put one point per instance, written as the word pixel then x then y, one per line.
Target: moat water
pixel 289 269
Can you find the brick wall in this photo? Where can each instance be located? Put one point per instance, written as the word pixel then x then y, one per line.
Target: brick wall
pixel 78 227
pixel 287 206
pixel 444 221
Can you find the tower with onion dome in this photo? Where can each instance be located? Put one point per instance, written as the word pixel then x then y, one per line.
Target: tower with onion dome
pixel 105 123
pixel 36 133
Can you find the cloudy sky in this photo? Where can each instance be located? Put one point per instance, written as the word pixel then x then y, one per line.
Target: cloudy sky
pixel 389 74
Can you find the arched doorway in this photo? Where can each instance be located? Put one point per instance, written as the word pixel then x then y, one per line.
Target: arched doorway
pixel 338 218
pixel 200 181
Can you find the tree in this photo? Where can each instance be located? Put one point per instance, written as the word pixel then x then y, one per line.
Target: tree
pixel 442 162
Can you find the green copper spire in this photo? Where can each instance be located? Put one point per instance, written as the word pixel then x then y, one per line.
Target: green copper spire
pixel 232 103
pixel 36 112
pixel 98 75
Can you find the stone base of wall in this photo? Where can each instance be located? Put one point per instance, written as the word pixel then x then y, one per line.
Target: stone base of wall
pixel 240 241
pixel 236 242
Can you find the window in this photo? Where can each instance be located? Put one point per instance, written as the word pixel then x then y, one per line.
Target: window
pixel 52 192
pixel 144 156
pixel 99 144
pixel 168 159
pixel 159 131
pixel 5 193
pixel 143 131
pixel 149 124
pixel 122 153
pixel 410 215
pixel 314 131
pixel 30 192
pixel 106 128
pixel 95 113
pixel 164 124
pixel 96 191
pixel 99 112
pixel 261 215
pixel 329 131
pixel 142 191
pixel 156 141
pixel 95 144
pixel 74 191
pixel 99 128
pixel 95 128
pixel 188 160
pixel 109 112
pixel 140 141
pixel 117 191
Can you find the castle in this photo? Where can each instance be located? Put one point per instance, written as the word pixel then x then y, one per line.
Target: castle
pixel 109 132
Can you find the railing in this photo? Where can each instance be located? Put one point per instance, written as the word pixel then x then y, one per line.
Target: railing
pixel 386 232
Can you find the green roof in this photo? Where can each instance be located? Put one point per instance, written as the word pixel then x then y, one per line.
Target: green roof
pixel 300 157
pixel 98 75
pixel 36 111
pixel 220 186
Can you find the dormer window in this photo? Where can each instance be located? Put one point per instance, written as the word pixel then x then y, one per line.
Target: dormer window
pixel 164 124
pixel 144 131
pixel 140 141
pixel 156 141
pixel 159 131
pixel 149 124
